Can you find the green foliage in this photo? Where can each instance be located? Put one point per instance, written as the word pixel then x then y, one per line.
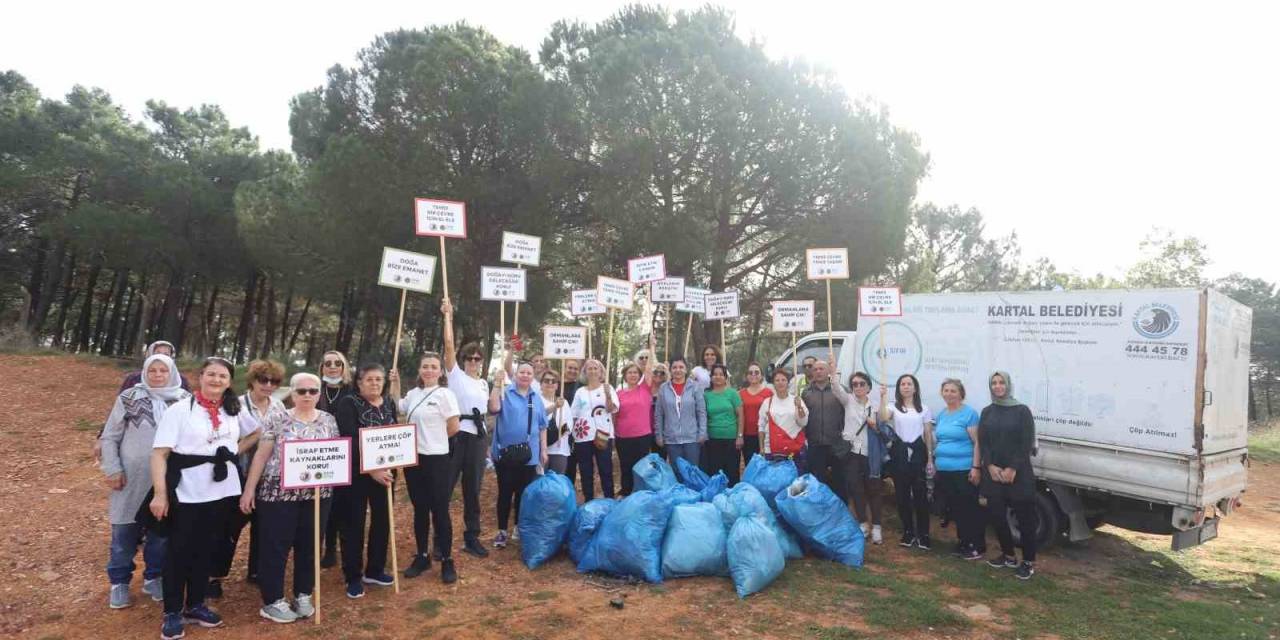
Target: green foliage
pixel 1168 261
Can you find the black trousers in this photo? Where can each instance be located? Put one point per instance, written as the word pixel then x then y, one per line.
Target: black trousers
pixel 829 468
pixel 428 485
pixel 631 451
pixel 721 454
pixel 587 458
pixel 511 484
pixel 864 490
pixel 287 525
pixel 909 486
pixel 467 455
pixel 999 502
pixel 962 501
pixel 229 538
pixel 193 532
pixel 352 502
pixel 750 447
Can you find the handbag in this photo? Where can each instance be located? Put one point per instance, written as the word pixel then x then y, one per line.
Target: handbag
pixel 602 437
pixel 518 455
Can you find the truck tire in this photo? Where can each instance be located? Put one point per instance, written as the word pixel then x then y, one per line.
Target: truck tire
pixel 1048 527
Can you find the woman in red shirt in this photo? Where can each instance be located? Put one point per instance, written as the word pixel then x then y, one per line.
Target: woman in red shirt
pixel 753 395
pixel 782 421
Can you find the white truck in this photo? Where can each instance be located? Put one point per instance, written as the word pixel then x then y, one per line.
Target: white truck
pixel 1140 396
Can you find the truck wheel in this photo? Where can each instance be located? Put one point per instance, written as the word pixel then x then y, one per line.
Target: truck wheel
pixel 1047 528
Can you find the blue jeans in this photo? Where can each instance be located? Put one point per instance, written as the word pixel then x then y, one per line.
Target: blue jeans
pixel 689 451
pixel 125 539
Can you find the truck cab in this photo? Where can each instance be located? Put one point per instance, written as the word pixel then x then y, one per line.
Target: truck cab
pixel 818 346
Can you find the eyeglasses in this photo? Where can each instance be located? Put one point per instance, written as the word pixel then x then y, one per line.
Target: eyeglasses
pixel 659 373
pixel 754 372
pixel 859 383
pixel 333 363
pixel 267 380
pixel 307 392
pixel 474 358
pixel 548 381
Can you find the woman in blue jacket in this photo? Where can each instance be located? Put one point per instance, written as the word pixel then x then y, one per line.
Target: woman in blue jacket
pixel 681 415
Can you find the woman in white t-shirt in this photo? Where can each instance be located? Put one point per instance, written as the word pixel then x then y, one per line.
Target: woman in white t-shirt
pixel 434 409
pixel 559 439
pixel 909 457
pixel 701 374
pixel 593 407
pixel 196 484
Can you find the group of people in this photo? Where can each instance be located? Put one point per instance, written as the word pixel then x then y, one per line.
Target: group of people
pixel 190 468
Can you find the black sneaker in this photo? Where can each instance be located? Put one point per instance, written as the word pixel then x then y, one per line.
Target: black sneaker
pixel 1003 562
pixel 381 579
pixel 971 554
pixel 1025 571
pixel 421 564
pixel 172 627
pixel 214 589
pixel 448 574
pixel 436 555
pixel 329 559
pixel 355 589
pixel 923 543
pixel 908 540
pixel 476 549
pixel 203 616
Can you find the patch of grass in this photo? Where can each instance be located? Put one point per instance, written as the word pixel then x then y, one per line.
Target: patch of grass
pixel 87 425
pixel 832 633
pixel 369 626
pixel 493 600
pixel 1264 444
pixel 544 595
pixel 429 607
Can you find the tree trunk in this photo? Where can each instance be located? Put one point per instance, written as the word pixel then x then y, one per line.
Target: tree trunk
pixel 246 317
pixel 48 289
pixel 269 341
pixel 215 345
pixel 35 284
pixel 284 322
pixel 122 287
pixel 68 298
pixel 347 315
pixel 86 307
pixel 302 317
pixel 104 310
pixel 174 297
pixel 181 339
pixel 255 327
pixel 133 317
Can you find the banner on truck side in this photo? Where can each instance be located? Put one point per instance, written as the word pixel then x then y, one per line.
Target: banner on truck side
pixel 827 264
pixel 647 269
pixel 613 293
pixel 879 301
pixel 1111 367
pixel 695 300
pixel 440 218
pixel 389 447
pixel 667 290
pixel 582 302
pixel 502 284
pixel 559 343
pixel 793 315
pixel 722 306
pixel 518 248
pixel 407 270
pixel 312 464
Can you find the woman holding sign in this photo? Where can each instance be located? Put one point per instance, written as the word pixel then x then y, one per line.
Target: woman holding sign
pixel 466 448
pixel 196 483
pixel 367 493
pixel 335 372
pixel 559 440
pixel 594 405
pixel 434 409
pixel 635 416
pixel 285 518
pixel 519 441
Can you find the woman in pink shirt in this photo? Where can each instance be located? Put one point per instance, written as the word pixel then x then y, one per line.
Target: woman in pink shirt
pixel 634 422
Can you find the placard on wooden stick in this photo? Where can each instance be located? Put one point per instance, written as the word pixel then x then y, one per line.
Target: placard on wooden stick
pixel 791 316
pixel 827 264
pixel 390 447
pixel 614 293
pixel 407 270
pixel 444 218
pixel 722 306
pixel 561 342
pixel 880 301
pixel 647 269
pixel 314 464
pixel 582 302
pixel 518 248
pixel 667 290
pixel 694 300
pixel 502 284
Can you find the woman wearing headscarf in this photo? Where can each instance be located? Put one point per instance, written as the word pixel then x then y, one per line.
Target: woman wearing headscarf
pixel 335 373
pixel 134 378
pixel 287 516
pixel 1006 439
pixel 367 493
pixel 126 460
pixel 196 484
pixel 257 407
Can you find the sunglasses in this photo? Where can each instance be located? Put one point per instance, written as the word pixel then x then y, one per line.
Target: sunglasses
pixel 333 363
pixel 754 373
pixel 659 373
pixel 307 392
pixel 474 358
pixel 643 358
pixel 859 383
pixel 266 380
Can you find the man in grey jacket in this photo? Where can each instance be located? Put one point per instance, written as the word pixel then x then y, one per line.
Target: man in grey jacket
pixel 681 415
pixel 828 452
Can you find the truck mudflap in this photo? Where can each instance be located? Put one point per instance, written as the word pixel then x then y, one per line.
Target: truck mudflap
pixel 1195 535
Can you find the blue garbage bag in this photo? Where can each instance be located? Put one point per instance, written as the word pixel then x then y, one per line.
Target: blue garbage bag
pixel 690 475
pixel 745 500
pixel 547 507
pixel 715 486
pixel 695 542
pixel 680 494
pixel 822 520
pixel 652 473
pixel 629 541
pixel 770 478
pixel 755 558
pixel 585 524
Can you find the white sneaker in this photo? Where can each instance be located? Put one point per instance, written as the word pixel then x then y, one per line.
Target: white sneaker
pixel 303 606
pixel 866 529
pixel 876 536
pixel 515 534
pixel 500 540
pixel 278 611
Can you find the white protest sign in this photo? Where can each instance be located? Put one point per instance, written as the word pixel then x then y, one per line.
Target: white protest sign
pixel 667 290
pixel 559 343
pixel 613 293
pixel 521 249
pixel 793 315
pixel 407 270
pixel 311 464
pixel 695 300
pixel 582 302
pixel 647 269
pixel 389 447
pixel 879 301
pixel 502 284
pixel 827 264
pixel 440 218
pixel 722 306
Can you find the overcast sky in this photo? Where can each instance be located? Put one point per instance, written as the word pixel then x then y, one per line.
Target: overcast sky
pixel 1079 127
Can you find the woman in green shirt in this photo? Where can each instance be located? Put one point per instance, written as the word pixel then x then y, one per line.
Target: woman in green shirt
pixel 724 426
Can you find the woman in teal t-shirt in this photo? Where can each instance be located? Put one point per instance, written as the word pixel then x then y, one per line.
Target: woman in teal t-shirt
pixel 957 463
pixel 724 426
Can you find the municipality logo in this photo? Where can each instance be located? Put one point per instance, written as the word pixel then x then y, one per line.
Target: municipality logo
pixel 1156 320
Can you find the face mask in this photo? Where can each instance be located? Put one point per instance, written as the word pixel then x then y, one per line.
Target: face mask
pixel 333 380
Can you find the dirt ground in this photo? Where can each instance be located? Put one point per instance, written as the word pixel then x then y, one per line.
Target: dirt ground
pixel 55 537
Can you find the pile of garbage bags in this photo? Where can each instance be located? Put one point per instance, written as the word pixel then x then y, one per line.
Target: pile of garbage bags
pixel 681 522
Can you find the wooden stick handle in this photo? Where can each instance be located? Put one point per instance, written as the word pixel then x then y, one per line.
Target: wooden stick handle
pixel 391 520
pixel 315 589
pixel 395 355
pixel 444 268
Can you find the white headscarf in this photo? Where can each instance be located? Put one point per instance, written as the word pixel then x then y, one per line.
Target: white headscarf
pixel 162 396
